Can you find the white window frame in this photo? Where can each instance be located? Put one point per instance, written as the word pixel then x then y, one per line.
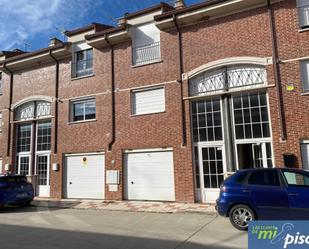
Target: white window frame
pixel 133 103
pixel 304 64
pixel 263 141
pixel 79 47
pixel 78 101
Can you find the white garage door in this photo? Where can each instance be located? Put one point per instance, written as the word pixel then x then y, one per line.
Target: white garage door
pixel 84 176
pixel 150 176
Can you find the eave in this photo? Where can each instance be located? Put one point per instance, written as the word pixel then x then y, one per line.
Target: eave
pixel 36 58
pixel 206 11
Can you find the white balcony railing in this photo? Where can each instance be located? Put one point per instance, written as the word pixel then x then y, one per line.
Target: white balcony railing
pixel 146 53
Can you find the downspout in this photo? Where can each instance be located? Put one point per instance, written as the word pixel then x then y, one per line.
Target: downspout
pixel 113 138
pixel 277 72
pixel 183 110
pixel 10 104
pixel 56 103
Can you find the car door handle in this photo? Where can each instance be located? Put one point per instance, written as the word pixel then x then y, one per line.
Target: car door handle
pixel 293 194
pixel 71 183
pixel 246 191
pixel 132 182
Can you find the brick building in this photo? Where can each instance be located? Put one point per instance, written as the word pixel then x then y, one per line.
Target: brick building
pixel 162 107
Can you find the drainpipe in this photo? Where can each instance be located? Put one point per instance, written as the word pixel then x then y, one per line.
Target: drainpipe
pixel 10 104
pixel 277 72
pixel 56 103
pixel 113 139
pixel 183 110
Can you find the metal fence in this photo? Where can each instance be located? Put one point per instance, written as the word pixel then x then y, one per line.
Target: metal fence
pixel 146 53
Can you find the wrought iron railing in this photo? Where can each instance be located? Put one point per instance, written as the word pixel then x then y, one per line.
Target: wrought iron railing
pixel 82 68
pixel 146 53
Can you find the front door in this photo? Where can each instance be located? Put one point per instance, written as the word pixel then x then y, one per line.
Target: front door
pixel 212 170
pixel 42 172
pixel 254 155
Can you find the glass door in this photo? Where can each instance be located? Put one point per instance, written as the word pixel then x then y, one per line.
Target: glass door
pixel 23 165
pixel 254 155
pixel 42 172
pixel 212 170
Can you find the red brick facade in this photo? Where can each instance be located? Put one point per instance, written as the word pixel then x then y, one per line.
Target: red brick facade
pixel 241 34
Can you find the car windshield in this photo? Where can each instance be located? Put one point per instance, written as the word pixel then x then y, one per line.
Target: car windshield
pixel 296 179
pixel 13 179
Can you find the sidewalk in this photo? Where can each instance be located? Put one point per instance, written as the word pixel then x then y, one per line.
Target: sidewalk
pixel 130 206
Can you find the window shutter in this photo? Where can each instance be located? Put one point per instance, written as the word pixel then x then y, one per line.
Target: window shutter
pixel 303 9
pixel 305 155
pixel 305 75
pixel 148 101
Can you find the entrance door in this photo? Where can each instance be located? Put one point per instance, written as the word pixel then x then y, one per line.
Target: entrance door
pixel 23 165
pixel 254 155
pixel 212 169
pixel 42 172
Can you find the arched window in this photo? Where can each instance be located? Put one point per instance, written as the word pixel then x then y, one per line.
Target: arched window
pixel 231 78
pixel 33 110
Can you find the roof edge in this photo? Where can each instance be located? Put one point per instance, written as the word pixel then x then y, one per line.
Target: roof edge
pixel 94 25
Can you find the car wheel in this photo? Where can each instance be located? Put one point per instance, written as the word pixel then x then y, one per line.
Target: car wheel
pixel 240 216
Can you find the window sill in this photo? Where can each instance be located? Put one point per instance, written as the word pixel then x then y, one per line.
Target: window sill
pixel 82 121
pixel 147 114
pixel 303 30
pixel 83 77
pixel 147 63
pixel 305 93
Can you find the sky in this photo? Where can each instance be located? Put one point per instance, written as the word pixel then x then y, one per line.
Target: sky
pixel 29 24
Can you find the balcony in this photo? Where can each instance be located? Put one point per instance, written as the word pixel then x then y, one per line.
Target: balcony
pixel 82 68
pixel 146 54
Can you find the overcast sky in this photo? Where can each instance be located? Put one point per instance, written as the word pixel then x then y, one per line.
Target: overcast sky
pixel 34 22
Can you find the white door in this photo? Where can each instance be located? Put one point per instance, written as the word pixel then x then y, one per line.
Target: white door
pixel 150 176
pixel 84 176
pixel 212 169
pixel 43 172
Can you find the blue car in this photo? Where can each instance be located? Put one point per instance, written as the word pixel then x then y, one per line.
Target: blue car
pixel 264 194
pixel 15 190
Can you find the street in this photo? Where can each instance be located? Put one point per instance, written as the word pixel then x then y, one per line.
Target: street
pixel 51 228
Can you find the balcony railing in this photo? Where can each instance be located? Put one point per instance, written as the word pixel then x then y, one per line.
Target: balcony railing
pixel 146 53
pixel 82 68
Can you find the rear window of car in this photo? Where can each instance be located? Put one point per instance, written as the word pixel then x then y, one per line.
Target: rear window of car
pixel 241 178
pixel 264 178
pixel 13 179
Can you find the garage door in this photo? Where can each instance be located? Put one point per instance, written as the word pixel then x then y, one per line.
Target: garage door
pixel 84 176
pixel 150 176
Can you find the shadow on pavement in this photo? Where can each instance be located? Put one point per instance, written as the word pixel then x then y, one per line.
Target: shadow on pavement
pixel 26 237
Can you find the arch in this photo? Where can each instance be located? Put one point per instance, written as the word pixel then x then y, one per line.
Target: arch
pixel 31 99
pixel 231 61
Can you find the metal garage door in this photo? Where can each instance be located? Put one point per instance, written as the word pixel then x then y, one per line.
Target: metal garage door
pixel 150 176
pixel 84 176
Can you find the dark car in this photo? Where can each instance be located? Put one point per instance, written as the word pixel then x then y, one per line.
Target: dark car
pixel 264 194
pixel 15 190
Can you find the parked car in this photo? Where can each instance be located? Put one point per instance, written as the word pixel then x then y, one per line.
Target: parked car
pixel 15 190
pixel 264 194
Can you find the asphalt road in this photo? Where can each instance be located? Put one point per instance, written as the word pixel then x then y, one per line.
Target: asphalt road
pixel 42 228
